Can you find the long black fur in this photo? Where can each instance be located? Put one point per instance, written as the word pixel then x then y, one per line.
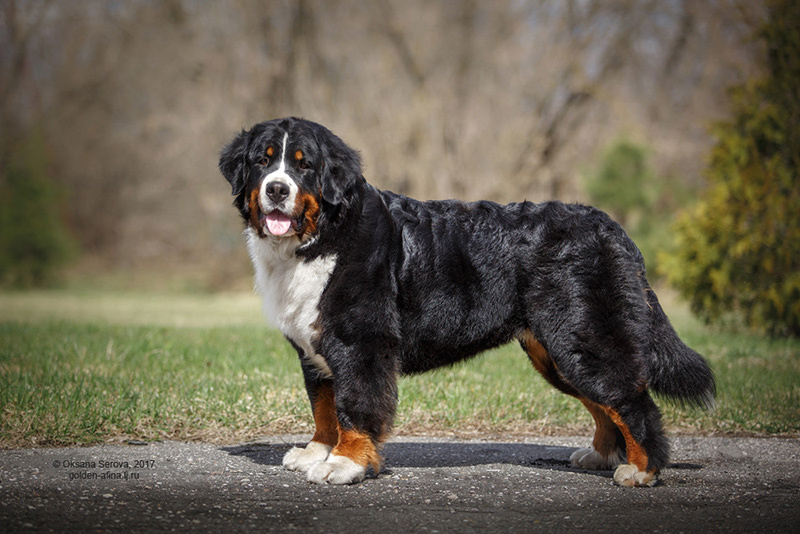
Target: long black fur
pixel 418 285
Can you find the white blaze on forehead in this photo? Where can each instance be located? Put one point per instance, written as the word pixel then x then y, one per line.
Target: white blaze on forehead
pixel 278 175
pixel 282 168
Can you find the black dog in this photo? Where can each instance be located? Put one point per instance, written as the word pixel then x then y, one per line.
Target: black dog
pixel 368 284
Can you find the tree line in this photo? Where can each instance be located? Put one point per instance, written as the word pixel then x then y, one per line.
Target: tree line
pixel 119 109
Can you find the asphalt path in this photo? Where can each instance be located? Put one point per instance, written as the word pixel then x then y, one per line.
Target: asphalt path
pixel 427 485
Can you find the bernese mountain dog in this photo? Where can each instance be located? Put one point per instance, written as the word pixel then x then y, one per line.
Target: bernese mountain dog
pixel 368 285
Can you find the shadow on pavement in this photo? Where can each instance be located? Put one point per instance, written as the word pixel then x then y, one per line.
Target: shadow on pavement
pixel 411 454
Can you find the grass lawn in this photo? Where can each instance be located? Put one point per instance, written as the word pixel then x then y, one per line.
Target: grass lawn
pixel 87 367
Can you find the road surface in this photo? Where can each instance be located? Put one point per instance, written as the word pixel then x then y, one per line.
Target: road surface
pixel 427 485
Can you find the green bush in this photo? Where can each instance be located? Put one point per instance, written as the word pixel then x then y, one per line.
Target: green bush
pixel 628 189
pixel 738 251
pixel 623 183
pixel 33 239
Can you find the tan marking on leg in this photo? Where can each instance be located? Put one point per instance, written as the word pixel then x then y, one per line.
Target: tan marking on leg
pixel 634 473
pixel 606 451
pixel 538 356
pixel 327 425
pixel 634 451
pixel 543 363
pixel 358 447
pixel 605 434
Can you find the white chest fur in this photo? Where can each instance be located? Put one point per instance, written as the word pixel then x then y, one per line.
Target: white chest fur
pixel 290 290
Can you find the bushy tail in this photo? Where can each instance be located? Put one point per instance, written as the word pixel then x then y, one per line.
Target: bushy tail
pixel 677 371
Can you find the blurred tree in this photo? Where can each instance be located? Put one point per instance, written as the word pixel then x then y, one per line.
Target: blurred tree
pixel 503 100
pixel 739 249
pixel 33 239
pixel 626 186
pixel 623 185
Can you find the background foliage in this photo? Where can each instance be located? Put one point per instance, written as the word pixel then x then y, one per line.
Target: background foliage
pixel 33 239
pixel 505 100
pixel 738 250
pixel 627 187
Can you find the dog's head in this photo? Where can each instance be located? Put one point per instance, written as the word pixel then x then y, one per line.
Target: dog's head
pixel 288 176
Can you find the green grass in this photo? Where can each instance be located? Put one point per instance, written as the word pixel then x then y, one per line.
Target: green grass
pixel 88 367
pixel 73 383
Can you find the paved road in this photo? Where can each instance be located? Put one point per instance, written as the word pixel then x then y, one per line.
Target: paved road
pixel 428 485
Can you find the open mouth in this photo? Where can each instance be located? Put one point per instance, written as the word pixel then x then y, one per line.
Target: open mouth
pixel 278 223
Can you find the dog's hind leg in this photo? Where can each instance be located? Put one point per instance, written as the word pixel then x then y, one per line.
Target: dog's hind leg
pixel 544 364
pixel 647 448
pixel 608 445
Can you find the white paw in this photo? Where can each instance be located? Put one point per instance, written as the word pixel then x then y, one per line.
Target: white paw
pixel 591 459
pixel 299 459
pixel 629 476
pixel 337 470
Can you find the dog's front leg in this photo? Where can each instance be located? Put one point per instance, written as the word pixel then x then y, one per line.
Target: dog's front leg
pixel 326 435
pixel 348 461
pixel 365 394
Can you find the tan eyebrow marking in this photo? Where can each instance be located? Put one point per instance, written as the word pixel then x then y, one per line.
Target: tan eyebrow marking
pixel 298 155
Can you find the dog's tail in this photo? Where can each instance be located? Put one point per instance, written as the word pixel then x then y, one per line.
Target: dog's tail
pixel 677 371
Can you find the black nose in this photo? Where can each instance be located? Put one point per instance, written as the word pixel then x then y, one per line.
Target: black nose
pixel 277 191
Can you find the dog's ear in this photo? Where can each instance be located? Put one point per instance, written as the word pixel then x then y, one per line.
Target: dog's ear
pixel 233 163
pixel 342 169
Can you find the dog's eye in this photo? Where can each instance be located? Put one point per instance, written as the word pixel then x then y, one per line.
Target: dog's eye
pixel 303 165
pixel 267 155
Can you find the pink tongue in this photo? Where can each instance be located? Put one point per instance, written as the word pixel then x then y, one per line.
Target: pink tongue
pixel 278 223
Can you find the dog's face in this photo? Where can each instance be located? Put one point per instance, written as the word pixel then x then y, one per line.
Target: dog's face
pixel 287 174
